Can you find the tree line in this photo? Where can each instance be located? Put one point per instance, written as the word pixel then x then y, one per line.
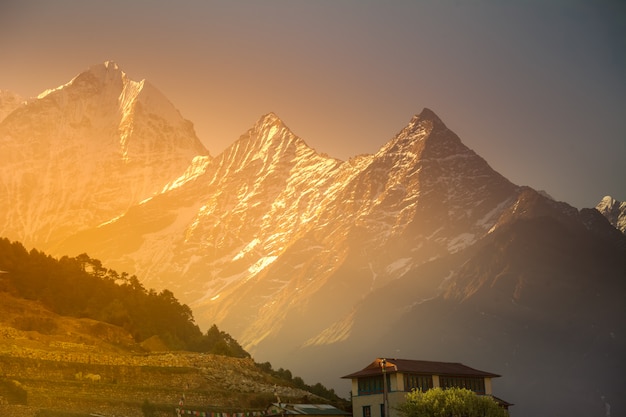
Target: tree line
pixel 82 287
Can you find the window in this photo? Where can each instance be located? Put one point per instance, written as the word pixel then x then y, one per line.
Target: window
pixel 382 410
pixel 367 411
pixel 472 383
pixel 417 382
pixel 371 385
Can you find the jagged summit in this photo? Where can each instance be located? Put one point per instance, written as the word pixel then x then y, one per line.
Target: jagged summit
pixel 425 121
pixel 427 114
pixel 269 125
pixel 608 201
pixel 111 65
pixel 106 67
pixel 270 120
pixel 614 211
pixel 270 117
pixel 97 134
pixel 270 135
pixel 105 75
pixel 425 136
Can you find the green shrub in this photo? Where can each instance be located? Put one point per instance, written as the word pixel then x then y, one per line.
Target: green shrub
pixel 455 402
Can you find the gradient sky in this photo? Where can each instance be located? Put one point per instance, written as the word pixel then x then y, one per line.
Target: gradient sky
pixel 536 87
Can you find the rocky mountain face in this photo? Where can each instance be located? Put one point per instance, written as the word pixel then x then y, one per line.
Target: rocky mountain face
pixel 270 232
pixel 83 153
pixel 614 211
pixel 538 300
pixel 420 250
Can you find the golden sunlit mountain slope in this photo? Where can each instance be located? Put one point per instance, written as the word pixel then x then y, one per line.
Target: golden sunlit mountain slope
pixel 271 226
pixel 83 153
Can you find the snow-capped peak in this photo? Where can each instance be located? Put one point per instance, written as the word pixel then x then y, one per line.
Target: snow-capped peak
pixel 111 65
pixel 426 114
pixel 426 120
pixel 614 211
pixel 269 118
pixel 411 141
pixel 270 135
pixel 107 67
pixel 607 202
pixel 270 124
pixel 100 131
pixel 107 73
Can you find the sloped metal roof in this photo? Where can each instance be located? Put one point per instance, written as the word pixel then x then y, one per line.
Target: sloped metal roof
pixel 419 367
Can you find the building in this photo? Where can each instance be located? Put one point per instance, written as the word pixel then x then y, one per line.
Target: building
pixel 394 378
pixel 284 409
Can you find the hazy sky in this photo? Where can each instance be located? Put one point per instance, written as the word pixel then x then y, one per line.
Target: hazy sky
pixel 537 88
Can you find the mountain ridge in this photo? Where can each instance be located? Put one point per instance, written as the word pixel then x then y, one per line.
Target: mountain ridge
pixel 292 250
pixel 537 297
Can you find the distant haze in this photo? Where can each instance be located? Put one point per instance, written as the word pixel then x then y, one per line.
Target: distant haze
pixel 537 88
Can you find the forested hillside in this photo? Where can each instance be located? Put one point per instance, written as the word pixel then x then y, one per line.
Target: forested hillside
pixel 66 347
pixel 82 287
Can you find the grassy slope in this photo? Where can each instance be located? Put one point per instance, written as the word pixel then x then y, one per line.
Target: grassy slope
pixel 86 366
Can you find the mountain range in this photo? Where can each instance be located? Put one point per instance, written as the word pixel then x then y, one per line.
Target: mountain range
pixel 420 250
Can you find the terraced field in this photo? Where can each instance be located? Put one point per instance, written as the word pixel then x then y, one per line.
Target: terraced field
pixel 52 366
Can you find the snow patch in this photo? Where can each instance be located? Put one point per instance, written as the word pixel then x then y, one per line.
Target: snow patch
pixel 272 131
pixel 374 275
pixel 198 167
pixel 249 247
pixel 489 218
pixel 461 242
pixel 261 264
pixel 399 264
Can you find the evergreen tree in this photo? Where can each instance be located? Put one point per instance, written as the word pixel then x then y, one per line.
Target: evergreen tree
pixel 84 287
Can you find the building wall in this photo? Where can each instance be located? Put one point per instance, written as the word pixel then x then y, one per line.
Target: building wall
pixel 397 382
pixel 395 396
pixel 488 389
pixel 375 402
